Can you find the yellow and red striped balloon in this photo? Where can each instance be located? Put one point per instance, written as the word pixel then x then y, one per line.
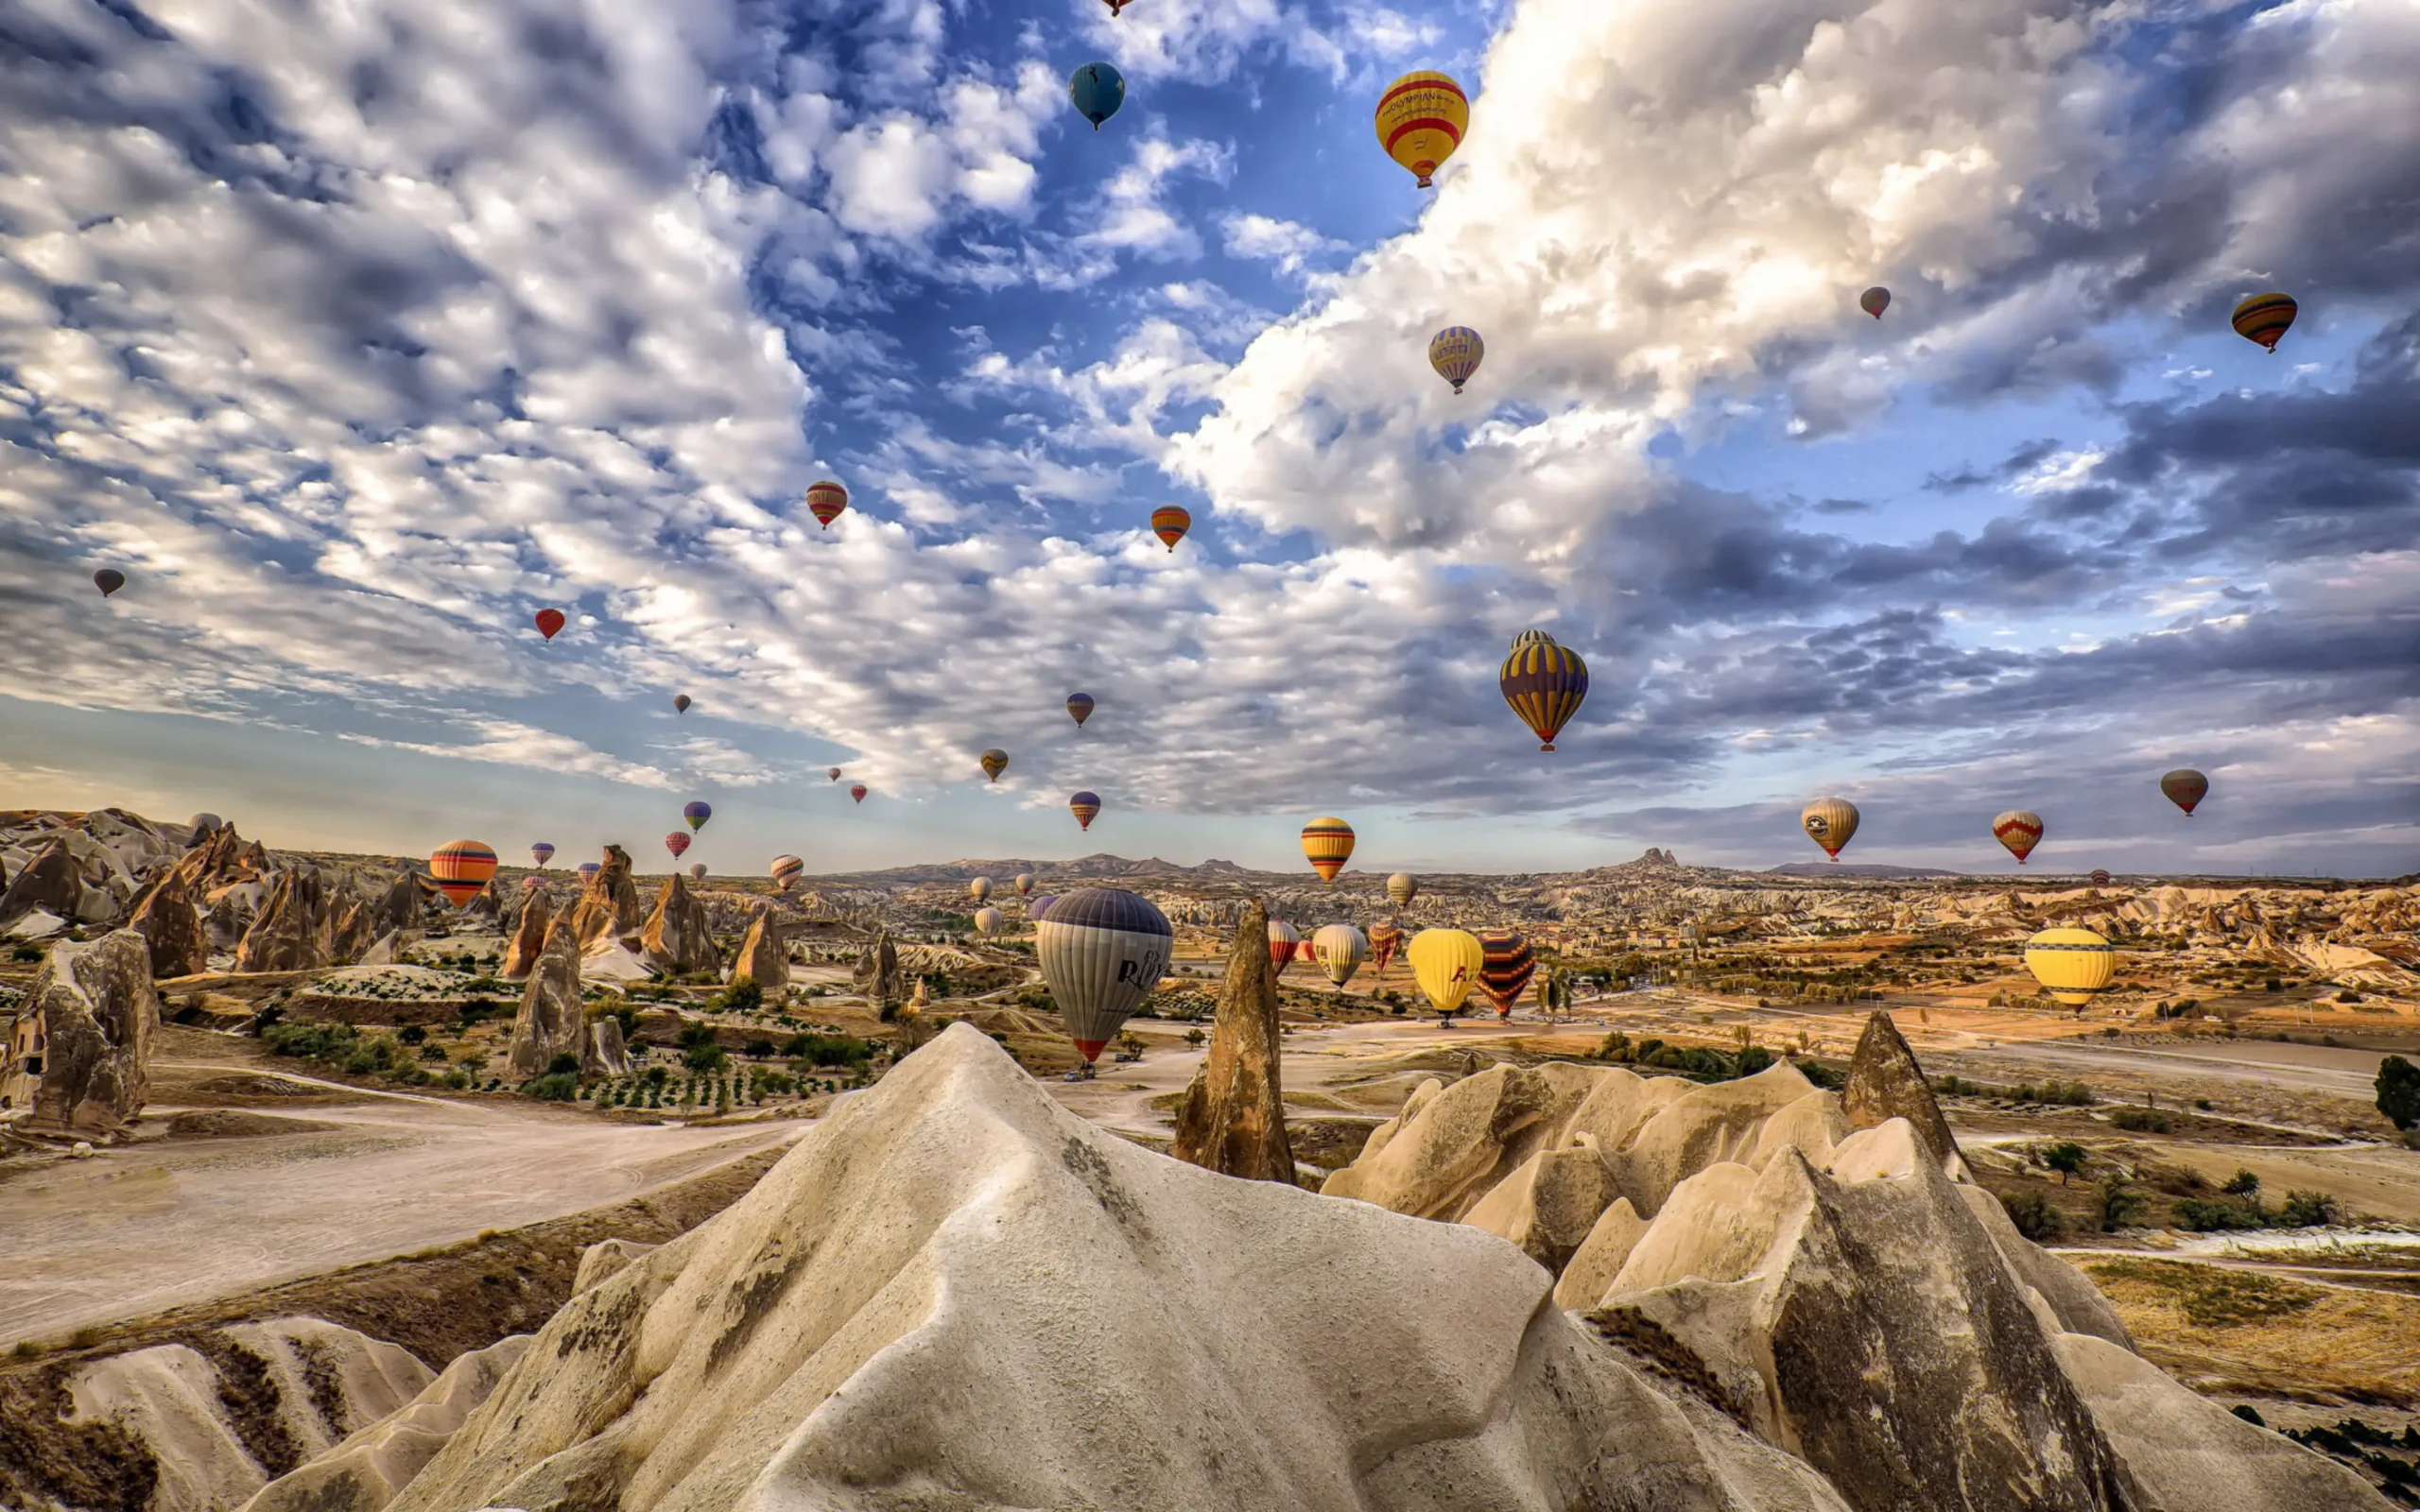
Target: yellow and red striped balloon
pixel 2264 317
pixel 826 500
pixel 1420 120
pixel 1327 844
pixel 1545 683
pixel 1456 353
pixel 461 868
pixel 1169 524
pixel 2020 830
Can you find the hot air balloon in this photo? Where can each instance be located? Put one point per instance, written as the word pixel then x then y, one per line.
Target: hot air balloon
pixel 1169 522
pixel 786 870
pixel 1283 937
pixel 1874 300
pixel 2020 830
pixel 1036 907
pixel 1084 806
pixel 1079 705
pixel 461 869
pixel 1420 120
pixel 2100 878
pixel 1341 949
pixel 1306 952
pixel 1098 90
pixel 1506 963
pixel 109 580
pixel 2264 317
pixel 2186 788
pixel 987 921
pixel 681 702
pixel 832 772
pixel 857 790
pixel 1545 683
pixel 1101 953
pixel 677 842
pixel 1383 940
pixel 2072 963
pixel 589 868
pixel 1117 5
pixel 980 888
pixel 1446 964
pixel 1327 844
pixel 540 853
pixel 549 621
pixel 825 500
pixel 697 812
pixel 532 883
pixel 1456 353
pixel 993 762
pixel 204 823
pixel 1025 884
pixel 697 871
pixel 1403 887
pixel 1830 822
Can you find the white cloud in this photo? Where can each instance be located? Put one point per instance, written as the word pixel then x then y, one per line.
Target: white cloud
pixel 1283 242
pixel 506 743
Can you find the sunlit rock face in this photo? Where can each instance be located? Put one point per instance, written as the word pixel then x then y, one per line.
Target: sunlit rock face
pixel 100 1019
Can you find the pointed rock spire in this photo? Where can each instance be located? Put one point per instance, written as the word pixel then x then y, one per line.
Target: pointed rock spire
pixel 1234 1117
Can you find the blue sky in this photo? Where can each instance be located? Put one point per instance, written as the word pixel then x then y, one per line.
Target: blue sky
pixel 355 343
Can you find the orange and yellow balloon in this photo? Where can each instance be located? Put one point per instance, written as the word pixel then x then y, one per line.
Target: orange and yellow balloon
pixel 2072 963
pixel 2264 317
pixel 461 869
pixel 1169 522
pixel 1327 844
pixel 1422 118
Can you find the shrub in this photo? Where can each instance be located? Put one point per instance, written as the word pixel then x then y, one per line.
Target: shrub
pixel 2249 1413
pixel 758 1050
pixel 27 953
pixel 2308 1210
pixel 2348 995
pixel 2142 1120
pixel 743 996
pixel 553 1088
pixel 563 1065
pixel 2067 1159
pixel 2398 1086
pixel 2242 1184
pixel 2202 1216
pixel 828 1050
pixel 2033 1216
pixel 413 1034
pixel 2117 1202
pixel 2274 984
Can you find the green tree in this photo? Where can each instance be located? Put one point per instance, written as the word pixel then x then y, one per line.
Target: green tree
pixel 2399 1092
pixel 2064 1159
pixel 2242 1184
pixel 2118 1202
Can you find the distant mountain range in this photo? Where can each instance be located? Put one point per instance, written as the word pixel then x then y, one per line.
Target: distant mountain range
pixel 1829 869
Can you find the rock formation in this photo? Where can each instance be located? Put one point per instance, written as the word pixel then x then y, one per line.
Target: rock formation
pixel 171 923
pixel 1234 1117
pixel 1884 1082
pixel 1045 1315
pixel 679 938
pixel 48 883
pixel 764 955
pixel 550 1023
pixel 605 1260
pixel 529 935
pixel 398 907
pixel 608 908
pixel 877 971
pixel 363 1472
pixel 100 1018
pixel 601 1051
pixel 285 937
pixel 485 910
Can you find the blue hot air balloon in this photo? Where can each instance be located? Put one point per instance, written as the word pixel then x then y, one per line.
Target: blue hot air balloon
pixel 1098 90
pixel 542 852
pixel 697 814
pixel 1079 705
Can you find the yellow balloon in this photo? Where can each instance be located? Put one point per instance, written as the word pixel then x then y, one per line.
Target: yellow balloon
pixel 1445 962
pixel 2072 963
pixel 1422 118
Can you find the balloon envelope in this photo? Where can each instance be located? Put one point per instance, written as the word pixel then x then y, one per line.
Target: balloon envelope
pixel 980 888
pixel 1283 937
pixel 204 823
pixel 786 870
pixel 1084 806
pixel 1545 683
pixel 1025 884
pixel 696 813
pixel 1830 822
pixel 697 871
pixel 825 500
pixel 1874 300
pixel 1097 90
pixel 993 762
pixel 1036 907
pixel 2185 787
pixel 1079 705
pixel 857 790
pixel 1169 524
pixel 109 580
pixel 681 702
pixel 1456 353
pixel 2263 319
pixel 2020 830
pixel 1327 844
pixel 1420 120
pixel 832 772
pixel 589 868
pixel 1446 964
pixel 549 621
pixel 1340 949
pixel 1505 968
pixel 987 921
pixel 2072 963
pixel 2100 878
pixel 677 842
pixel 461 868
pixel 1403 887
pixel 540 853
pixel 1384 938
pixel 1101 951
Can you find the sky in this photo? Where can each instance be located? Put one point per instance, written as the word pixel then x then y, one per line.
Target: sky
pixel 356 333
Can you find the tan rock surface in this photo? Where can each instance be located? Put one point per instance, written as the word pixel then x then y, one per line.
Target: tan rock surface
pixel 100 1016
pixel 529 937
pixel 679 938
pixel 764 955
pixel 170 920
pixel 1885 1082
pixel 550 1023
pixel 363 1472
pixel 1233 1119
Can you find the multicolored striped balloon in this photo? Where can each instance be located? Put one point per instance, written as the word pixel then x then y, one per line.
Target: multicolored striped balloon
pixel 1403 887
pixel 697 812
pixel 461 869
pixel 1102 952
pixel 2264 317
pixel 1383 940
pixel 1328 845
pixel 785 870
pixel 1545 683
pixel 1421 119
pixel 1079 705
pixel 993 762
pixel 1084 806
pixel 1506 962
pixel 1456 353
pixel 589 868
pixel 542 852
pixel 825 500
pixel 1283 937
pixel 1169 522
pixel 2020 830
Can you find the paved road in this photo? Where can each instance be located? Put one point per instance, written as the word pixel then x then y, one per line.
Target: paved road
pixel 157 1224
